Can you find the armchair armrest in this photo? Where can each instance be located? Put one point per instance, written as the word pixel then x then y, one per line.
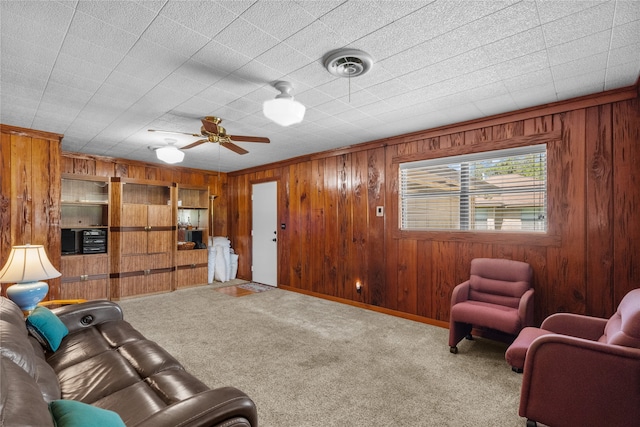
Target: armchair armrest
pixel 91 313
pixel 571 381
pixel 575 325
pixel 209 408
pixel 460 293
pixel 525 308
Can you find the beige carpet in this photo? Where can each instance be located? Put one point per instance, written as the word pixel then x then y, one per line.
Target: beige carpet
pixel 306 361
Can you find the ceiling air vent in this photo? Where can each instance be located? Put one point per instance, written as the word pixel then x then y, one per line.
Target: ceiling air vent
pixel 347 62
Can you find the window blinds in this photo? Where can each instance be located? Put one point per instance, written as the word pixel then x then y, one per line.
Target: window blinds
pixel 501 190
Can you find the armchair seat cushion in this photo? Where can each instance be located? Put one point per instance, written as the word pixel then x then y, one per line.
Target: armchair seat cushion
pixel 499 317
pixel 517 351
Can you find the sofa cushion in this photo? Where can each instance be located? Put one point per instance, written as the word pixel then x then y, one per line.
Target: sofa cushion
pixel 17 347
pixel 76 347
pixel 69 413
pixel 118 333
pixel 18 390
pixel 47 381
pixel 94 378
pixel 10 312
pixel 45 326
pixel 134 403
pixel 148 358
pixel 175 385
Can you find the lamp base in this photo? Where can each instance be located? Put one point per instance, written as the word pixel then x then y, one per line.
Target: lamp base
pixel 27 295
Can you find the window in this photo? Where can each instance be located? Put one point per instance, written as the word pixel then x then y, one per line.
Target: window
pixel 501 190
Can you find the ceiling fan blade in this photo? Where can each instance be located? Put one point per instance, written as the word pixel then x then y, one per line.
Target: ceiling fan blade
pixel 209 125
pixel 249 138
pixel 233 147
pixel 177 133
pixel 195 144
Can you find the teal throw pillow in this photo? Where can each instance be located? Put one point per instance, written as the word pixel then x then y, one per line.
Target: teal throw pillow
pixel 46 328
pixel 71 413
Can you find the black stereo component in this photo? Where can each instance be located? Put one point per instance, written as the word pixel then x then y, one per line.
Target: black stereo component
pixel 94 241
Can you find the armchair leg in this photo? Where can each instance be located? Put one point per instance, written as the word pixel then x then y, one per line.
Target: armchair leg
pixel 531 423
pixel 453 350
pixel 469 337
pixel 517 370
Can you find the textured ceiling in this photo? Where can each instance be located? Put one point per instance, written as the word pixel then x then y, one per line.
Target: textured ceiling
pixel 103 72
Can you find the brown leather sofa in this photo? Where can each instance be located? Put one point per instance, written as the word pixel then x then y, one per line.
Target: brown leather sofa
pixel 105 362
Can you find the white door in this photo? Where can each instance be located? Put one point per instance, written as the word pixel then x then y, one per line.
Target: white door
pixel 265 233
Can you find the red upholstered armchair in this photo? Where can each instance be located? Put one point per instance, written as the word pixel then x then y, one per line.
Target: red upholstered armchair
pixel 498 296
pixel 582 370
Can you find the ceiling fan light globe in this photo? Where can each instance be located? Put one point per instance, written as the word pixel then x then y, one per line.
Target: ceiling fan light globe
pixel 169 154
pixel 284 111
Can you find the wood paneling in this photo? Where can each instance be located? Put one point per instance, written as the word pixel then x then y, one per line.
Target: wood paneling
pixel 30 194
pixel 626 198
pixel 599 207
pixel 585 263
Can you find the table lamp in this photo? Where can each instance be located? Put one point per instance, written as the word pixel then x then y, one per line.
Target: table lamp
pixel 26 266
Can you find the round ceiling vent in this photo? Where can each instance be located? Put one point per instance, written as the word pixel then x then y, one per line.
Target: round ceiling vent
pixel 347 62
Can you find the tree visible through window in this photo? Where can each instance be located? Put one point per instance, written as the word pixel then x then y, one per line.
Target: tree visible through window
pixel 501 190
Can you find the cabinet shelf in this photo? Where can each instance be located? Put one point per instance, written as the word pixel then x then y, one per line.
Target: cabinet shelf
pixel 84 203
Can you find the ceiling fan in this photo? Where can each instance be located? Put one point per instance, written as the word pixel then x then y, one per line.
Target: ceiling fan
pixel 213 132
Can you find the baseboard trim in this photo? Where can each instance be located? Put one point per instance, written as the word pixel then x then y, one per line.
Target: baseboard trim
pixel 376 308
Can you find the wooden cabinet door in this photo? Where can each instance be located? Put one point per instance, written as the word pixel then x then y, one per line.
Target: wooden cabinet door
pixel 160 216
pixel 134 234
pixel 160 235
pixel 85 276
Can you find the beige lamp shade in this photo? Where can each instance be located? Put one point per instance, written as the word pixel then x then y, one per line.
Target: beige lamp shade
pixel 28 263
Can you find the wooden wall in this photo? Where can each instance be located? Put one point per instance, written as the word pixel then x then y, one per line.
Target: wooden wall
pixel 585 263
pixel 30 193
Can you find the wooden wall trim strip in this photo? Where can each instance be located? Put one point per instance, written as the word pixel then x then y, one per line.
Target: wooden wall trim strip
pixel 70 279
pixel 143 228
pixel 506 238
pixel 33 133
pixel 114 160
pixel 191 266
pixel 143 181
pixel 124 274
pixel 516 141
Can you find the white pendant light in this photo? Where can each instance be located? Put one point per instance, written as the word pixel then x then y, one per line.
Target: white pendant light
pixel 283 110
pixel 169 153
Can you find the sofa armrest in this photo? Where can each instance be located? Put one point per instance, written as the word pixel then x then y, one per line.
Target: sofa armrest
pixel 460 293
pixel 91 313
pixel 209 408
pixel 575 325
pixel 576 382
